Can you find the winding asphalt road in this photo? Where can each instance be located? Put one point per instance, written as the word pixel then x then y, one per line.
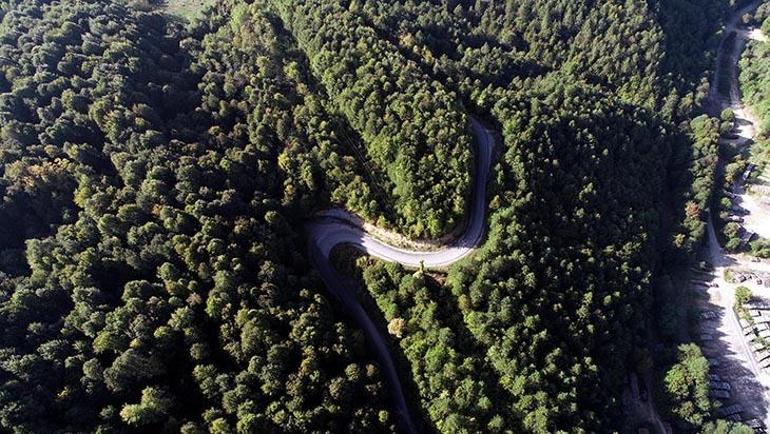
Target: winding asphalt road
pixel 337 226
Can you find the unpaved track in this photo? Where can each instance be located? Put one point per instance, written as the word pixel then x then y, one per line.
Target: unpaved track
pixel 739 366
pixel 337 226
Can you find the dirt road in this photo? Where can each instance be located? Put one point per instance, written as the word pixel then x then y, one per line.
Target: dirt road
pixel 722 337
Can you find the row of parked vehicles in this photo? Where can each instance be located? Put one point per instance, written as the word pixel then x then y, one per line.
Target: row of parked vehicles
pixel 720 388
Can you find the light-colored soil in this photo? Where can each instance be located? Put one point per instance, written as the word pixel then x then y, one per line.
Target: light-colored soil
pixel 727 345
pixel 756 35
pixel 758 218
pixel 737 363
pixel 755 198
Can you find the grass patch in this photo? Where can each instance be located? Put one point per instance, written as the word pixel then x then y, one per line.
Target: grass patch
pixel 190 10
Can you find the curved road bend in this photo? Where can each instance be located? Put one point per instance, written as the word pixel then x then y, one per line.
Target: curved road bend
pixel 337 226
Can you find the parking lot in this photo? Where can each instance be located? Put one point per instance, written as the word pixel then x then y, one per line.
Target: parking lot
pixel 737 349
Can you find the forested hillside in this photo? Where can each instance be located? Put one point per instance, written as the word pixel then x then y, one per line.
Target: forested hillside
pixel 156 178
pixel 568 253
pixel 413 127
pixel 166 289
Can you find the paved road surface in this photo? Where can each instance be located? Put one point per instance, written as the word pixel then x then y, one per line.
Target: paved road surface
pixel 337 226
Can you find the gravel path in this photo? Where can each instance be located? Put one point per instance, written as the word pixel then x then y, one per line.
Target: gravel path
pixel 722 338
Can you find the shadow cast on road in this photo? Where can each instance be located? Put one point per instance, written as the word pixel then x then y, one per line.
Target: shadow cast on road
pixel 720 348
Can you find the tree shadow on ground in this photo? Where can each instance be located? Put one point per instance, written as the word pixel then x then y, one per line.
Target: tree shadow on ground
pixel 722 342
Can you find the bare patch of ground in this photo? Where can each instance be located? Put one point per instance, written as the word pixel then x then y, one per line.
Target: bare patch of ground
pixel 722 338
pixel 190 10
pixel 757 207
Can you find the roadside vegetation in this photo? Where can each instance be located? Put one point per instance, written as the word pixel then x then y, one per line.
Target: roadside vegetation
pixel 755 82
pixel 754 69
pixel 735 164
pixel 743 295
pixel 687 386
pixel 457 389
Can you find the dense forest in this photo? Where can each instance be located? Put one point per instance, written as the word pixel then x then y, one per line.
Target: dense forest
pixel 156 175
pixel 160 286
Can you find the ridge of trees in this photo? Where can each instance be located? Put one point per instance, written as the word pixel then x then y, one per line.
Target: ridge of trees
pixel 456 389
pixel 413 127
